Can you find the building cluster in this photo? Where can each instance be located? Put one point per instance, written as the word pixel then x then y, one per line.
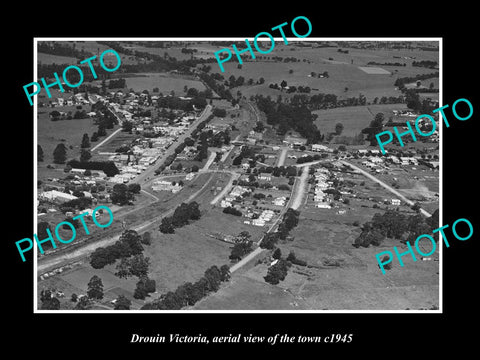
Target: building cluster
pixel 322 183
pixel 59 191
pixel 165 185
pixel 264 217
pixel 77 99
pixel 236 192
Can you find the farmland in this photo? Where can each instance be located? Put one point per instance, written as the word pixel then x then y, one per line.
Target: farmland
pixel 353 118
pixel 163 82
pixel 253 180
pixel 343 71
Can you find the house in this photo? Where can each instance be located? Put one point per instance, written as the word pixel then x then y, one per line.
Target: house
pixel 318 148
pixel 395 202
pixel 190 176
pixel 265 176
pixel 258 222
pixel 225 204
pixel 295 140
pixel 57 196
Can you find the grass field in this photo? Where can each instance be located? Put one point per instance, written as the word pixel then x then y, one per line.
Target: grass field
pixel 338 276
pixel 343 71
pixel 47 59
pixel 68 132
pixel 353 118
pixel 355 284
pixel 164 82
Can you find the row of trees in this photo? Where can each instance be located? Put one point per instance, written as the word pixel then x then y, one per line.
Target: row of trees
pixel 395 225
pixel 400 82
pixel 78 114
pixel 310 158
pixel 129 244
pixel 188 294
pixel 62 49
pixel 108 167
pixel 181 217
pixel 232 211
pixel 425 63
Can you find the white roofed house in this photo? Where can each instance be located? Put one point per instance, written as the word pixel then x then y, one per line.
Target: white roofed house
pixel 57 196
pixel 265 176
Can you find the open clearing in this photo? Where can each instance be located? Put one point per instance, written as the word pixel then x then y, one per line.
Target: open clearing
pixel 163 82
pixel 353 118
pixel 374 70
pixel 342 277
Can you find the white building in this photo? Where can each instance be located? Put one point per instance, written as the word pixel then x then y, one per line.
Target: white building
pixel 57 196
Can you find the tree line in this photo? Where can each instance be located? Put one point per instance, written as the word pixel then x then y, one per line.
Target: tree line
pixel 395 225
pixel 189 294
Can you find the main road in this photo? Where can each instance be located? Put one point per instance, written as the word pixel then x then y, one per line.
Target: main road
pixel 389 188
pixel 143 177
pixel 296 196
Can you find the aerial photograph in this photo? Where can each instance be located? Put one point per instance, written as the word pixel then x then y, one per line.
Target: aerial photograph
pixel 258 188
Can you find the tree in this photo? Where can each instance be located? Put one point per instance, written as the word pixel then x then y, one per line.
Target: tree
pixel 85 155
pixel 84 303
pixel 187 294
pixel 146 238
pixel 386 266
pixel 224 273
pixel 48 301
pixel 240 249
pixel 291 256
pixel 127 126
pixel 338 128
pixel 74 297
pixel 101 130
pixel 110 169
pixel 122 303
pixel 140 291
pixel 51 304
pixel 60 154
pixel 277 254
pixel 85 142
pixel 277 272
pixel 213 276
pixel 166 226
pixel 120 194
pixel 150 285
pixel 39 153
pixel 101 257
pixel 94 137
pixel 133 266
pixel 134 188
pixel 283 84
pixel 416 207
pixel 95 288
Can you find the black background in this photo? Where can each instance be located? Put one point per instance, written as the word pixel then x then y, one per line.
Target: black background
pixel 373 334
